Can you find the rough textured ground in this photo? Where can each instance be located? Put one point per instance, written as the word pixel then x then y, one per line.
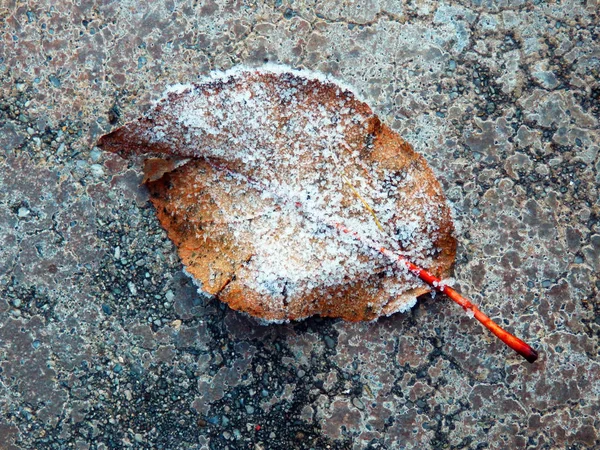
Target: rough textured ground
pixel 105 343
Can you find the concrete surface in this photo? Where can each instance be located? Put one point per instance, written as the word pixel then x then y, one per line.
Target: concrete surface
pixel 105 343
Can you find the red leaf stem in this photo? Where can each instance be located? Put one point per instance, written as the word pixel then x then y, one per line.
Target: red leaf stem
pixel 521 347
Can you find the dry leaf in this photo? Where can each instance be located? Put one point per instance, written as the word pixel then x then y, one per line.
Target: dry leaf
pixel 252 172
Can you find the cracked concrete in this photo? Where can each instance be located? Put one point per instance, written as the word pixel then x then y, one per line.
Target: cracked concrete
pixel 106 344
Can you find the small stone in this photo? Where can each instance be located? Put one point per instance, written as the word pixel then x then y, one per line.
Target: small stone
pixel 54 80
pixel 138 437
pixel 542 169
pixel 81 164
pixel 95 154
pixel 554 162
pixel 23 212
pixel 176 324
pixel 132 288
pixel 358 403
pixel 17 302
pixel 118 368
pixel 97 170
pixel 329 342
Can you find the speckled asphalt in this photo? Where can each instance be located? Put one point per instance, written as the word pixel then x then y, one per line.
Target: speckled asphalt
pixel 104 342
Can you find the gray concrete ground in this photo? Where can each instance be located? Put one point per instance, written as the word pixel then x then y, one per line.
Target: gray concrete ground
pixel 106 344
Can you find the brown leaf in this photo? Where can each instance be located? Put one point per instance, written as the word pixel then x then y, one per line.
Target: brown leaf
pixel 155 168
pixel 269 163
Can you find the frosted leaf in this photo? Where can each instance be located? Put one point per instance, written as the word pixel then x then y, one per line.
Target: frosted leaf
pixel 251 170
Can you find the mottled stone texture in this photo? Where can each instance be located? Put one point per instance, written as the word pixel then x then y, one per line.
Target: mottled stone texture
pixel 104 343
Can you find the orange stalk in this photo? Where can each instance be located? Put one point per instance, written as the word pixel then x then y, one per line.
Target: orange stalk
pixel 521 347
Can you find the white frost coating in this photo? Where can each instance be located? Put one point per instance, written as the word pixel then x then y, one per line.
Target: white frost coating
pixel 201 291
pixel 196 282
pixel 266 68
pixel 408 305
pixel 178 88
pixel 447 282
pixel 303 164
